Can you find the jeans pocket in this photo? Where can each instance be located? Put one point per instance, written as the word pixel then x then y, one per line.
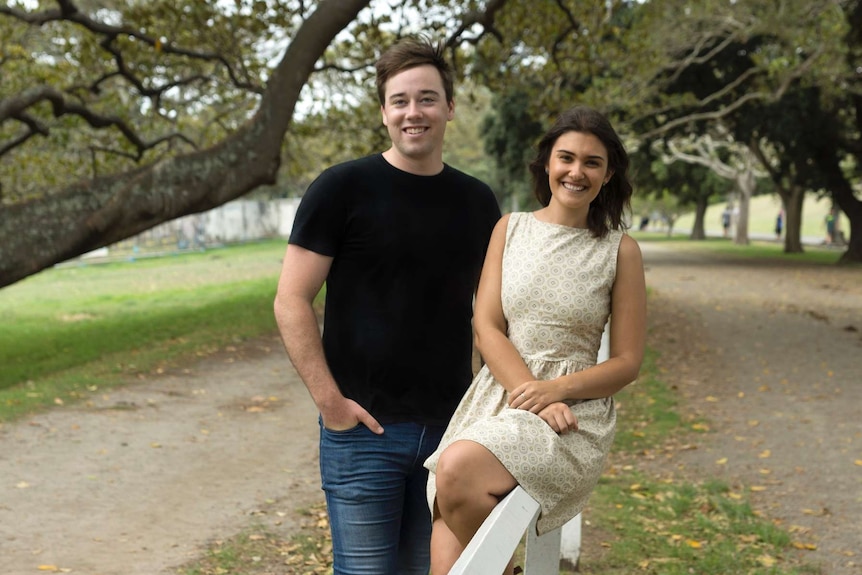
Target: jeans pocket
pixel 349 430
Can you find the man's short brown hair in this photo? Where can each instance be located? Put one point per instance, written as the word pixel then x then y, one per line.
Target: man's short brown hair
pixel 410 52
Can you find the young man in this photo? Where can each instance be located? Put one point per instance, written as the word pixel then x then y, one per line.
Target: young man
pixel 399 238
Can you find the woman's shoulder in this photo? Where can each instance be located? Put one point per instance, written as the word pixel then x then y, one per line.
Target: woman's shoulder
pixel 629 249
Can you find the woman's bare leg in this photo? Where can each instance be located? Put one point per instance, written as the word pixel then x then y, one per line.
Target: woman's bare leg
pixel 445 547
pixel 470 483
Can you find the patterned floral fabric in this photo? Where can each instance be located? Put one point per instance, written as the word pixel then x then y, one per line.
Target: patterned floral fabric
pixel 556 287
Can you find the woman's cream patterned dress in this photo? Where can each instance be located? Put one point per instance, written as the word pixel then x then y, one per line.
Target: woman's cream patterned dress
pixel 556 289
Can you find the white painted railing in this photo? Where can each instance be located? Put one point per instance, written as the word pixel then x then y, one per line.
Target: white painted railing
pixel 495 542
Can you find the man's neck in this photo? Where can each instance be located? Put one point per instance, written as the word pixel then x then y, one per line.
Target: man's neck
pixel 424 167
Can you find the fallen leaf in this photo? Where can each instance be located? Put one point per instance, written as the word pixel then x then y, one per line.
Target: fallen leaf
pixel 757 488
pixel 22 485
pixel 694 544
pixel 764 454
pixel 721 461
pixel 766 560
pixel 807 546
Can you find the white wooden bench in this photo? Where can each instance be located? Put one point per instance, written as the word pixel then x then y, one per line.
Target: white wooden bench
pixel 496 540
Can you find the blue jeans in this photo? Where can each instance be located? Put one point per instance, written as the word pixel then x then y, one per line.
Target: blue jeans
pixel 375 494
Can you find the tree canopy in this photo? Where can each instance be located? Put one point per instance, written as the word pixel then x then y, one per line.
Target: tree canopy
pixel 118 115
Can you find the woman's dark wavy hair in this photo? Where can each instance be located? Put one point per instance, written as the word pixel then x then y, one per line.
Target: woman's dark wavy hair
pixel 606 211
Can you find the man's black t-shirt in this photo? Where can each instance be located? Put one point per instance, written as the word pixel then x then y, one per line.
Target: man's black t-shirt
pixel 408 251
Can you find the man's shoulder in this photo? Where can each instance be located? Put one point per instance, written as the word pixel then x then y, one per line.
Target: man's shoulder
pixel 364 163
pixel 464 176
pixel 465 181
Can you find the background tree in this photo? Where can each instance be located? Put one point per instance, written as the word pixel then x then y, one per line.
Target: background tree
pixel 784 136
pixel 733 59
pixel 509 134
pixel 691 185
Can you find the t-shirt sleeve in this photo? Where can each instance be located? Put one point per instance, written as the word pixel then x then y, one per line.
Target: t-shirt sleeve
pixel 322 215
pixel 490 209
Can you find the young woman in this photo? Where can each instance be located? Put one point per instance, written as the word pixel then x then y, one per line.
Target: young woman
pixel 540 413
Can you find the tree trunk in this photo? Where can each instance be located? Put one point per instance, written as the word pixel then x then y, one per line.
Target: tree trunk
pixel 793 200
pixel 697 230
pixel 853 211
pixel 746 182
pixel 842 194
pixel 37 234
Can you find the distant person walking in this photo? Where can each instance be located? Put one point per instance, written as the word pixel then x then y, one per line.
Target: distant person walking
pixel 829 221
pixel 779 224
pixel 725 220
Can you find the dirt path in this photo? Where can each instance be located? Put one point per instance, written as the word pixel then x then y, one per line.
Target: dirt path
pixel 139 480
pixel 771 355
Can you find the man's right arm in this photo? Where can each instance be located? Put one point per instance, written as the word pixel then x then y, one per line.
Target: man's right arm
pixel 302 275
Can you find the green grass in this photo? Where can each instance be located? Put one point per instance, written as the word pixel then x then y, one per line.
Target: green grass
pixel 71 330
pixel 762 213
pixel 765 251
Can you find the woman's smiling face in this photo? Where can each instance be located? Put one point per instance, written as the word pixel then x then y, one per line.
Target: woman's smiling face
pixel 577 169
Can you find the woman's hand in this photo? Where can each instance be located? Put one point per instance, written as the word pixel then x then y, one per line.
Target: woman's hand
pixel 544 398
pixel 534 396
pixel 560 417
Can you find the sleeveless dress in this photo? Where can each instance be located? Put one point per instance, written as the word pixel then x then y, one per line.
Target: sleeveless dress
pixel 556 293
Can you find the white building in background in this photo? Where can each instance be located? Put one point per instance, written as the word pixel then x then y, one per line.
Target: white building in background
pixel 233 222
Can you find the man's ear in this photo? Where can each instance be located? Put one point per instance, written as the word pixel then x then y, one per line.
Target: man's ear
pixel 451 115
pixel 383 115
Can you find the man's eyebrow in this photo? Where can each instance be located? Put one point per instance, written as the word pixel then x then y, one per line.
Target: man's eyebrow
pixel 422 92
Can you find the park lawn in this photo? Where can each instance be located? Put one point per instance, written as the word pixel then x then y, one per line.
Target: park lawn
pixel 74 329
pixel 761 250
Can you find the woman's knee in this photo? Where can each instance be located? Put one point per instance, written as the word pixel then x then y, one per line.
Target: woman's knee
pixel 453 465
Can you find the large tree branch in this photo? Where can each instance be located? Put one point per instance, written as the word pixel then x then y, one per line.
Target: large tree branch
pixel 15 106
pixel 486 18
pixel 38 234
pixel 69 12
pixel 726 110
